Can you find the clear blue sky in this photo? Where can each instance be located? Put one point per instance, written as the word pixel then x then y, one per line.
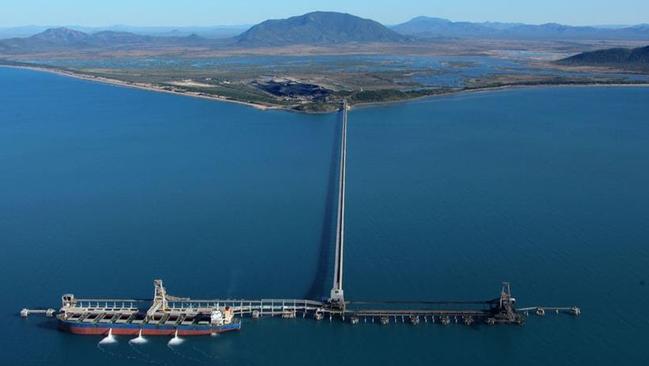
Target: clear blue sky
pixel 224 12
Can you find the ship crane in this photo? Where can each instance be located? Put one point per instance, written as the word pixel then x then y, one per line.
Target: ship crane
pixel 161 299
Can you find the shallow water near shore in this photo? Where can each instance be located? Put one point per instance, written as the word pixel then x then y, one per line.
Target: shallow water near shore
pixel 103 189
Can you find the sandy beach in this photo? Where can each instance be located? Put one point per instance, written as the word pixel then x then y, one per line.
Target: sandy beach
pixel 143 86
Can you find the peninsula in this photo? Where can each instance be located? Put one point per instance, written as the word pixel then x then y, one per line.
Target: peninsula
pixel 309 62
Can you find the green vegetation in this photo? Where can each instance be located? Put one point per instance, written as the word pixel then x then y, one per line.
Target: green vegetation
pixel 625 58
pixel 388 95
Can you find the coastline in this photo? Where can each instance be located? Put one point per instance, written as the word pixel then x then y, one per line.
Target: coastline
pixel 490 89
pixel 141 86
pixel 264 107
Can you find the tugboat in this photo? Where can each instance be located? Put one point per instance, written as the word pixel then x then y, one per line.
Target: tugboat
pixel 167 316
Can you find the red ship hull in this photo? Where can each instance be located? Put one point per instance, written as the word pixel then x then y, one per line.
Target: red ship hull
pixel 146 329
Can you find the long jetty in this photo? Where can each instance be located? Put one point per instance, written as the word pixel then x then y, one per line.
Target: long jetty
pixel 500 310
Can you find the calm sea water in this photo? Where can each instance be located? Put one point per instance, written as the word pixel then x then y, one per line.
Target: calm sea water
pixel 103 189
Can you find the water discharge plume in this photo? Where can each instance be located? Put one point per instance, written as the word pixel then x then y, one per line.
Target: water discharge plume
pixel 109 338
pixel 175 341
pixel 139 339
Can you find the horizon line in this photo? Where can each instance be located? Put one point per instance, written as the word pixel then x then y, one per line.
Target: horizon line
pixel 613 24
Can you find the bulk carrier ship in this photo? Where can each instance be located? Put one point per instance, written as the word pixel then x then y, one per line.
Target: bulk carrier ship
pixel 167 316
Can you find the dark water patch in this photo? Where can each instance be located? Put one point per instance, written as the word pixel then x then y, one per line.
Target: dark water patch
pixel 324 272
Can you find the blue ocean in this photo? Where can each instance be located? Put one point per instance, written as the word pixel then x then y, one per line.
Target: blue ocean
pixel 104 189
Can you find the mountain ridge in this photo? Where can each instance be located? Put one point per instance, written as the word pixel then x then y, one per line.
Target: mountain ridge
pixel 430 27
pixel 62 38
pixel 317 28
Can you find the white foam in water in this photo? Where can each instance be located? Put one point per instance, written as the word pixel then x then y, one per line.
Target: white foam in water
pixel 109 338
pixel 175 340
pixel 139 339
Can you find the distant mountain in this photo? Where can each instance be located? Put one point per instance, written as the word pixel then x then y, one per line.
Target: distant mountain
pixel 317 28
pixel 215 32
pixel 68 39
pixel 627 58
pixel 107 38
pixel 218 32
pixel 425 27
pixel 438 27
pixel 313 28
pixel 61 36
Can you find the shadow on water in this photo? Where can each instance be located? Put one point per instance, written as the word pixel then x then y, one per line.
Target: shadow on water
pixel 327 236
pixel 49 324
